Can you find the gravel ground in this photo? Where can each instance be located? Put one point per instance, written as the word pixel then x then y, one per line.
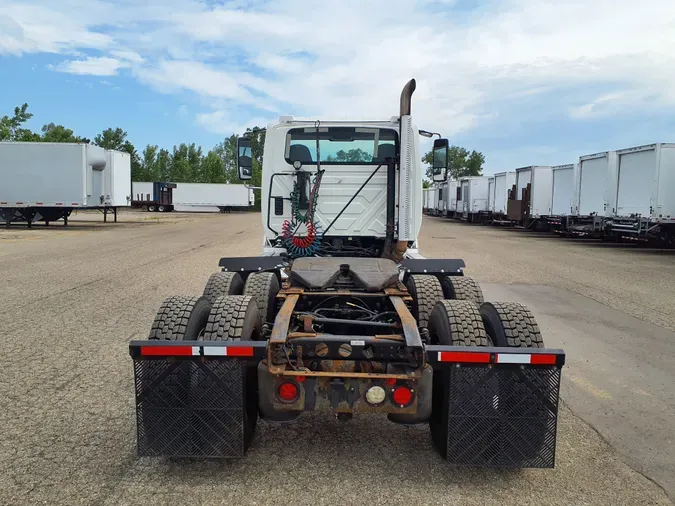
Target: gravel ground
pixel 630 278
pixel 72 297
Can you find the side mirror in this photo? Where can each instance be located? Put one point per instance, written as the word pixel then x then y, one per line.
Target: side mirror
pixel 244 158
pixel 440 160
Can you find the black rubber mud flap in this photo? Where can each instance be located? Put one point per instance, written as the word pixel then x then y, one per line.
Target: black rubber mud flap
pixel 502 416
pixel 190 407
pixel 198 405
pixel 500 413
pixel 513 325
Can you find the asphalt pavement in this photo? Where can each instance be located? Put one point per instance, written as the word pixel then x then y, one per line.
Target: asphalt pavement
pixel 72 298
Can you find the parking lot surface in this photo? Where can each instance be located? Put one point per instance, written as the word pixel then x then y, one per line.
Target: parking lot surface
pixel 72 297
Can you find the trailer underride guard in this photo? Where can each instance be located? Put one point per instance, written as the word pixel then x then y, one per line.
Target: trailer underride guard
pixel 351 322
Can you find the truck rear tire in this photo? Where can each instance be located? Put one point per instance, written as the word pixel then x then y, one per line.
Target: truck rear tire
pixel 180 318
pixel 236 318
pixel 223 283
pixel 455 323
pixel 426 291
pixel 263 287
pixel 462 288
pixel 151 208
pixel 511 324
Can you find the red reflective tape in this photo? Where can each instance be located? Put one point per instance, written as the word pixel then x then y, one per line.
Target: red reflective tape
pixel 3 202
pixel 464 356
pixel 40 203
pixel 239 351
pixel 543 359
pixel 19 203
pixel 75 204
pixel 166 351
pixel 59 203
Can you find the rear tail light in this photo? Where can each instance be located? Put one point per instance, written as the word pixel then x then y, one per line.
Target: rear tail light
pixel 402 396
pixel 288 391
pixel 376 395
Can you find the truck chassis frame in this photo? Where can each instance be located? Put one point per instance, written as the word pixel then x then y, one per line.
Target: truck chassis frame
pixel 487 406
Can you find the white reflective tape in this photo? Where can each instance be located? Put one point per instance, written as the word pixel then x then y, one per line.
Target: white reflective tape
pixel 440 356
pixel 195 350
pixel 503 358
pixel 358 343
pixel 215 350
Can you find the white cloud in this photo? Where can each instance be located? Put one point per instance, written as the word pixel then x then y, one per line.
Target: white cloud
pixel 224 122
pixel 351 58
pixel 126 55
pixel 95 66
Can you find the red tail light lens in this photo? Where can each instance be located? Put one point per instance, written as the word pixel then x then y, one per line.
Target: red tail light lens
pixel 288 391
pixel 402 396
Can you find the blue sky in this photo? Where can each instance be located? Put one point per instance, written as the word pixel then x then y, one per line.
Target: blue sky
pixel 524 81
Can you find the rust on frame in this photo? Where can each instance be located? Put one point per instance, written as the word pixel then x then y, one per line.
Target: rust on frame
pixel 408 322
pixel 332 374
pixel 283 320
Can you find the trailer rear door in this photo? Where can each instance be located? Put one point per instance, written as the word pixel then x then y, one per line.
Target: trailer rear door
pixel 592 180
pixel 523 178
pixel 636 175
pixel 491 194
pixel 563 191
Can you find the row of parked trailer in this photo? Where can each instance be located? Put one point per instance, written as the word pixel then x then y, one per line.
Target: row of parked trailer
pixel 46 182
pixel 190 197
pixel 627 193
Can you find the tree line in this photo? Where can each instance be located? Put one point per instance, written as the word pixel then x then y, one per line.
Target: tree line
pixel 188 163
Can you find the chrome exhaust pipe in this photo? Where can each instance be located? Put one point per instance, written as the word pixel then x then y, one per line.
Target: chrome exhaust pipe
pixel 406 97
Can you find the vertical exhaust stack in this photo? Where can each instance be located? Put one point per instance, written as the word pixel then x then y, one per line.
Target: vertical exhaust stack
pixel 404 186
pixel 406 97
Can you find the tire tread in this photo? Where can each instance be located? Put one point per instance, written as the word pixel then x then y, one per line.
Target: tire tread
pixel 172 318
pixel 520 327
pixel 226 321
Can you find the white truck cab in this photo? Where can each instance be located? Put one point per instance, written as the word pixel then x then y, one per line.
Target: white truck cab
pixel 367 200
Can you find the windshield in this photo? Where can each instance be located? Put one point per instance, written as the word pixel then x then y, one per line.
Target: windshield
pixel 341 145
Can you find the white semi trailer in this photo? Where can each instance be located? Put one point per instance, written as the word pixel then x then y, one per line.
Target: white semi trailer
pixel 472 203
pixel 208 196
pixel 532 200
pixel 491 194
pixel 196 197
pixel 44 181
pixel 451 201
pixel 641 195
pixel 504 182
pixel 593 176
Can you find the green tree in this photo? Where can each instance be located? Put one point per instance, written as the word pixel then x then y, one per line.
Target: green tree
pixel 111 138
pixel 257 136
pixel 353 155
pixel 194 158
pixel 149 164
pixel 180 166
pixel 59 133
pixel 461 163
pixel 163 166
pixel 213 169
pixel 227 152
pixel 11 128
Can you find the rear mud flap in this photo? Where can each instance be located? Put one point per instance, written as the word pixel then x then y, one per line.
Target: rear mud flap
pixel 501 416
pixel 192 408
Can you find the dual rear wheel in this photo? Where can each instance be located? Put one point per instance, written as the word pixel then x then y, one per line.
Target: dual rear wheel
pixel 500 324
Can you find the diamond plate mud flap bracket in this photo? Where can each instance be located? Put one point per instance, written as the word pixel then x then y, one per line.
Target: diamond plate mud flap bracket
pixel 496 407
pixel 195 398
